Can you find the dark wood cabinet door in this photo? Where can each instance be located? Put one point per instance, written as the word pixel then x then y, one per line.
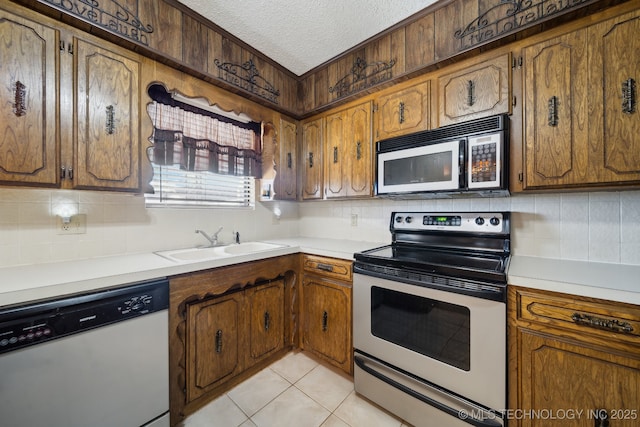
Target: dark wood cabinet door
pixel 479 89
pixel 336 159
pixel 286 173
pixel 557 374
pixel 555 112
pixel 357 145
pixel 312 164
pixel 404 111
pixel 266 317
pixel 28 101
pixel 327 319
pixel 616 75
pixel 107 141
pixel 212 342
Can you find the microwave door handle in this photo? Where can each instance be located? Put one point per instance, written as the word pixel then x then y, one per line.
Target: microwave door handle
pixel 462 170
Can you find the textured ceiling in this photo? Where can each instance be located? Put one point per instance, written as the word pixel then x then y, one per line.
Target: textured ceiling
pixel 302 34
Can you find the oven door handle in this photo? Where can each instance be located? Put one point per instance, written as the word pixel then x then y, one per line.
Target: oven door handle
pixel 462 414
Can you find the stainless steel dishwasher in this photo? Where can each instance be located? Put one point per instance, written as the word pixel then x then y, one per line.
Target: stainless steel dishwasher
pixel 98 359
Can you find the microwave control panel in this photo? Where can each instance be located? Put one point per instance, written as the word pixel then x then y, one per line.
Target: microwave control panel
pixel 485 161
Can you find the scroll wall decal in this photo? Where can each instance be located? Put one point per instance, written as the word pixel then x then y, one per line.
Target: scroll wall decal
pixel 247 77
pixel 509 16
pixel 362 76
pixel 109 15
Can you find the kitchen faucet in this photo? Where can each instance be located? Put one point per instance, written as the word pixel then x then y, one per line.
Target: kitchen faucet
pixel 213 240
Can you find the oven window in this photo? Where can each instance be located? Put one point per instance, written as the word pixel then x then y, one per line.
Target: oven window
pixel 435 167
pixel 433 328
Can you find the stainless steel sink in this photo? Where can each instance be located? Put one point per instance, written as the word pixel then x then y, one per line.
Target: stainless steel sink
pixel 217 252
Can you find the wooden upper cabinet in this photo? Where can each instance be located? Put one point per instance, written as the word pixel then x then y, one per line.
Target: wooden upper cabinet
pixel 69 107
pixel 28 101
pixel 555 111
pixel 335 157
pixel 475 90
pixel 581 125
pixel 403 111
pixel 348 153
pixel 108 133
pixel 614 47
pixel 312 173
pixel 286 170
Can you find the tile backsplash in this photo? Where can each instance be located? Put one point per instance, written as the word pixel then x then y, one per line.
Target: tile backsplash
pixel 595 226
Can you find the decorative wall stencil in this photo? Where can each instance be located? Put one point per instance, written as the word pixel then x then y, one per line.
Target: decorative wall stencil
pixel 247 77
pixel 109 15
pixel 362 76
pixel 509 16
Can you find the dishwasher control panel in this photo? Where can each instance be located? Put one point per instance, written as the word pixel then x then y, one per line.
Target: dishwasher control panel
pixel 28 324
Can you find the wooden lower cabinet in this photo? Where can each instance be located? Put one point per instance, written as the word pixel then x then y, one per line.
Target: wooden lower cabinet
pixel 326 311
pixel 572 358
pixel 226 324
pixel 265 304
pixel 213 341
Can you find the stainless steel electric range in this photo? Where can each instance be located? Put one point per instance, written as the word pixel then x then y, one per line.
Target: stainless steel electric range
pixel 429 315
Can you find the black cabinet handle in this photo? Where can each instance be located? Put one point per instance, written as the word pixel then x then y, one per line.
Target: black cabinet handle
pixel 310 159
pixel 289 161
pixel 471 87
pixel 219 341
pixel 325 321
pixel 325 267
pixel 267 320
pixel 614 325
pixel 601 418
pixel 110 121
pixel 552 118
pixel 629 96
pixel 401 113
pixel 20 104
pixel 335 154
pixel 358 150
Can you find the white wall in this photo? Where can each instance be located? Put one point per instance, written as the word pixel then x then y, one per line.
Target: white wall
pixel 598 226
pixel 120 224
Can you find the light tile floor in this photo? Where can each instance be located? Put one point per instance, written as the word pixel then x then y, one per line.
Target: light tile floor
pixel 295 391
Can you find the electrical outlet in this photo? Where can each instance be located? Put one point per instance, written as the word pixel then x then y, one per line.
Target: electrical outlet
pixel 77 225
pixel 354 220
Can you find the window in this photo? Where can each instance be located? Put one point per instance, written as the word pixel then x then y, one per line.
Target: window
pixel 200 157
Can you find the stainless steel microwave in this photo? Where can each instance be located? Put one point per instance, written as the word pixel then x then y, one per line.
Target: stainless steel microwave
pixel 468 158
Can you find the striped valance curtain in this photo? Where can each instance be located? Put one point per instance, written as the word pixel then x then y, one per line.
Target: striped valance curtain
pixel 199 142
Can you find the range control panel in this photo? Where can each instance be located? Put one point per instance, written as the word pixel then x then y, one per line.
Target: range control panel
pixel 470 222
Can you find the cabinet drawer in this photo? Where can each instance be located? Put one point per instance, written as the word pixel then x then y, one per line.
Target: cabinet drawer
pixel 329 267
pixel 586 316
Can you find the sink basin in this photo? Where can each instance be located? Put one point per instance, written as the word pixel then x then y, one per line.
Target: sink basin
pixel 194 254
pixel 205 254
pixel 250 247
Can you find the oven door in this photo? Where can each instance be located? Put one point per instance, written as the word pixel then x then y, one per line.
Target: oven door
pixel 454 342
pixel 432 167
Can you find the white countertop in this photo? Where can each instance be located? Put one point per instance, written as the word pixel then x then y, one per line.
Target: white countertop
pixel 33 282
pixel 615 282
